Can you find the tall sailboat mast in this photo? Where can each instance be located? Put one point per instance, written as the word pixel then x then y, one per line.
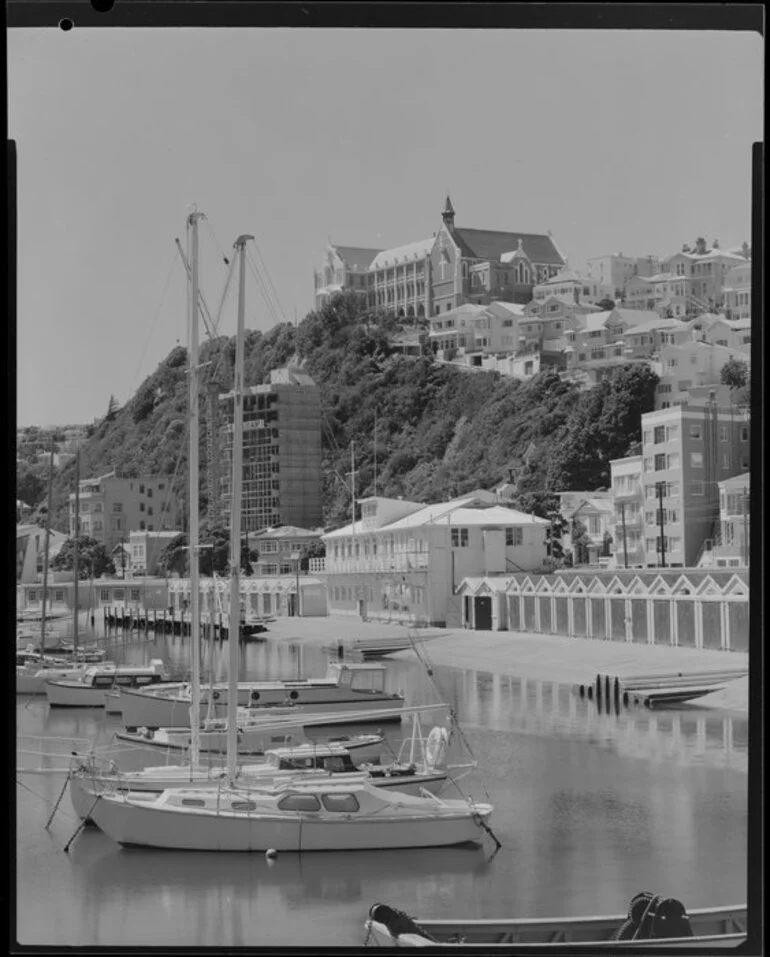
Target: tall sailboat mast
pixel 46 547
pixel 235 519
pixel 76 556
pixel 194 517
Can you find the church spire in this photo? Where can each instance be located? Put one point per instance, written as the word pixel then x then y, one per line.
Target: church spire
pixel 449 214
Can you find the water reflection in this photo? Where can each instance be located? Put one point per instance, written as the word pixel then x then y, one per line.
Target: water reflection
pixel 590 808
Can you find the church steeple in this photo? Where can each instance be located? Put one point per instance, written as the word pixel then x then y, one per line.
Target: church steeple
pixel 449 214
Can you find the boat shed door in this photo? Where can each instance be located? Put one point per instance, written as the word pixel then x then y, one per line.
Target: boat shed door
pixel 483 612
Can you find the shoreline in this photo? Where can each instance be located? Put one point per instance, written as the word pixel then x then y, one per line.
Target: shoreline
pixel 528 655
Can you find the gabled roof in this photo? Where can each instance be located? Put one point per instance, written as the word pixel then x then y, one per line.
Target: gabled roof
pixel 736 481
pixel 652 324
pixel 408 253
pixel 357 256
pixel 491 244
pixel 497 307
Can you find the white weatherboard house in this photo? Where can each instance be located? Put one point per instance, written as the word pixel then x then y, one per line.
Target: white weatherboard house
pixel 403 561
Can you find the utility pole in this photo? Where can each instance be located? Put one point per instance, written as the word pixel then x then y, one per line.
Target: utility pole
pixel 661 488
pixel 623 523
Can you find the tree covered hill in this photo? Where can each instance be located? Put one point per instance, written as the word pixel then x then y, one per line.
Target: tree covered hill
pixel 420 430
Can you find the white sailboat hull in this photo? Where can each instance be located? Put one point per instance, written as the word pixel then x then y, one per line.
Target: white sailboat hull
pixel 74 695
pixel 147 824
pixel 171 709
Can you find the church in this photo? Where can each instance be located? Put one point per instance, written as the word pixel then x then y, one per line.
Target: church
pixel 456 265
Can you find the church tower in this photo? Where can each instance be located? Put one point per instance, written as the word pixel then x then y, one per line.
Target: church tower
pixel 449 214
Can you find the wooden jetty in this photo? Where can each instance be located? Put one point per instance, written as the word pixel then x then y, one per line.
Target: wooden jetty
pixel 170 621
pixel 651 690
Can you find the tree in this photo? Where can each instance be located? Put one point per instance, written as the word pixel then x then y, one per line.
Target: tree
pixel 113 407
pixel 31 483
pixel 93 558
pixel 735 373
pixel 315 549
pixel 700 247
pixel 580 541
pixel 606 304
pixel 174 558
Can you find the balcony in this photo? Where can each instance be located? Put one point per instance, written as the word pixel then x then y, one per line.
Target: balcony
pixel 395 563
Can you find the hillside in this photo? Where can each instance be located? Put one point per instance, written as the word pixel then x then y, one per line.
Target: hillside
pixel 439 431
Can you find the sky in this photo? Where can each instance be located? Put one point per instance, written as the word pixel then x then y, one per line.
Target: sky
pixel 615 141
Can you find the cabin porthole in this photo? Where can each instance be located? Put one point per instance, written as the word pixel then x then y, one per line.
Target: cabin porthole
pixel 294 695
pixel 255 696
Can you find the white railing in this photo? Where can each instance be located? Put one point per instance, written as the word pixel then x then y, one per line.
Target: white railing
pixel 397 563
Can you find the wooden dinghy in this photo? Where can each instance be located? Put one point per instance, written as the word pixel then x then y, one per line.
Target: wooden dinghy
pixel 663 920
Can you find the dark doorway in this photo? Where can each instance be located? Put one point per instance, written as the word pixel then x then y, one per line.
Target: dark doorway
pixel 483 609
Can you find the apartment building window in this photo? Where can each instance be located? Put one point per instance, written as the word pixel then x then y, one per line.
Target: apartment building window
pixel 672 461
pixel 116 524
pixel 672 516
pixel 696 460
pixel 674 544
pixel 514 536
pixel 665 405
pixel 660 462
pixel 649 491
pixel 650 544
pixel 648 464
pixel 141 526
pixel 696 488
pixel 664 389
pixel 117 507
pixel 459 537
pixel 723 433
pixel 134 594
pixel 672 490
pixel 104 594
pixel 141 489
pixel 672 432
pixel 659 433
pixel 650 518
pixel 744 433
pixel 696 432
pixel 647 436
pixel 141 506
pixel 725 460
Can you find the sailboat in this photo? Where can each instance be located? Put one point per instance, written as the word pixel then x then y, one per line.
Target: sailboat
pixel 33 673
pixel 295 816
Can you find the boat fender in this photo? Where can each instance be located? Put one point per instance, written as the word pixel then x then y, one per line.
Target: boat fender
pixel 671 920
pixel 435 746
pixel 396 921
pixel 271 853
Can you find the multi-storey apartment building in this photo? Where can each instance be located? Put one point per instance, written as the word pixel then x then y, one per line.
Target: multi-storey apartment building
pixel 30 551
pixel 690 365
pixel 403 560
pixel 737 291
pixel 472 328
pixel 686 451
pixel 688 284
pixel 111 507
pixel 570 287
pixel 281 452
pixel 628 502
pixel 435 275
pixel 616 270
pixel 731 547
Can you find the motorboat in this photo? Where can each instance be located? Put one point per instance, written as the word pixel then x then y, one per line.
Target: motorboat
pixel 354 687
pixel 88 690
pixel 670 926
pixel 317 816
pixel 34 670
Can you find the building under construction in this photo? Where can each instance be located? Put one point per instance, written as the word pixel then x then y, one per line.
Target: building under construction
pixel 281 452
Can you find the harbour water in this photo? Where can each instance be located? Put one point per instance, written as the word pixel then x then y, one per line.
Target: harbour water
pixel 590 809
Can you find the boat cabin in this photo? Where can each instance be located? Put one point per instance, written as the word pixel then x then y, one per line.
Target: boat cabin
pixel 359 676
pixel 124 676
pixel 334 760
